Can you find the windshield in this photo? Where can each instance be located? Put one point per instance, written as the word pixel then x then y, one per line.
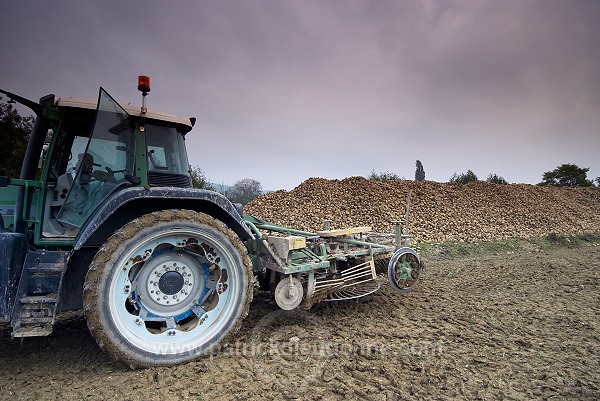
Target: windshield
pixel 167 158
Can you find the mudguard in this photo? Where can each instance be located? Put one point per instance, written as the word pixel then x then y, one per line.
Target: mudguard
pixel 131 203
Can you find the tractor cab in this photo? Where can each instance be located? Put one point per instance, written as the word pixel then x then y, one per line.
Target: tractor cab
pixel 94 158
pixel 92 150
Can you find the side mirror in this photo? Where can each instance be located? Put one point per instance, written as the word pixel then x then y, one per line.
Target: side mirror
pixel 4 181
pixel 43 155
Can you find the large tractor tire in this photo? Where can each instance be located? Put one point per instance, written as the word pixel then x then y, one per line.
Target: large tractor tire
pixel 167 288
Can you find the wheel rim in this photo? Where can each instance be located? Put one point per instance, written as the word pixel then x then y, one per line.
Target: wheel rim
pixel 173 293
pixel 404 270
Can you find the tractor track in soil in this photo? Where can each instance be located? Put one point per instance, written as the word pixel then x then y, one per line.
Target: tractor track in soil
pixel 509 325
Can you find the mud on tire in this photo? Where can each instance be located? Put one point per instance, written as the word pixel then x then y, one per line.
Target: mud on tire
pixel 167 288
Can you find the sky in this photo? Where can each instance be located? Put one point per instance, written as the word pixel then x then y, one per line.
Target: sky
pixel 288 90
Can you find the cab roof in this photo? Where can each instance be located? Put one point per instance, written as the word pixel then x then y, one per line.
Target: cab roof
pixel 133 111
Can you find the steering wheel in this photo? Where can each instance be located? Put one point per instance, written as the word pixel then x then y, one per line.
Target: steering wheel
pixel 108 176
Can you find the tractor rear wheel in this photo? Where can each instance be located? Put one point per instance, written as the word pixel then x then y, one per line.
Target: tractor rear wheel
pixel 167 288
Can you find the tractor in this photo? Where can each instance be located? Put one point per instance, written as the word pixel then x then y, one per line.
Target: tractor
pixel 103 218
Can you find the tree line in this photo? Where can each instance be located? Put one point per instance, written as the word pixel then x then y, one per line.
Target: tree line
pixel 565 175
pixel 243 191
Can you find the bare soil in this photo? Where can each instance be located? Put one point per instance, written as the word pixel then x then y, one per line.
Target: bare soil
pixel 501 325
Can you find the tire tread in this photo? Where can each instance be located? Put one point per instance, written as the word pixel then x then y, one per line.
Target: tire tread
pixel 91 291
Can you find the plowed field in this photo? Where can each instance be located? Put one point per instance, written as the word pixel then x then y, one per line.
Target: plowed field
pixel 519 324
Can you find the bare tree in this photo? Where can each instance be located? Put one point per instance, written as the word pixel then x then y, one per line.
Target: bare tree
pixel 245 190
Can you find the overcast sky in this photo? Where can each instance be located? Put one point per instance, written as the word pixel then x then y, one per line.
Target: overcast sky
pixel 287 90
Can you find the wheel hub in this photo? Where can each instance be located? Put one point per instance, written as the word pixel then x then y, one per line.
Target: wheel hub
pixel 289 293
pixel 167 284
pixel 171 282
pixel 404 270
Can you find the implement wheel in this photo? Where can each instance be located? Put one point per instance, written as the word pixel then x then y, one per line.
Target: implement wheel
pixel 167 288
pixel 404 270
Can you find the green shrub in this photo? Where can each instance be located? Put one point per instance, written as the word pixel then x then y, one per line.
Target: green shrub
pixel 384 177
pixel 496 179
pixel 463 178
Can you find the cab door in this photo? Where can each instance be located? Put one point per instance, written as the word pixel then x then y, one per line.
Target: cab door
pixel 101 162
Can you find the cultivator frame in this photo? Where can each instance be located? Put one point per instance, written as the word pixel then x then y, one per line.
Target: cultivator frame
pixel 303 268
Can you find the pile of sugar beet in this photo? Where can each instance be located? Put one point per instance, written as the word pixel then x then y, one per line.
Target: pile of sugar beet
pixel 477 211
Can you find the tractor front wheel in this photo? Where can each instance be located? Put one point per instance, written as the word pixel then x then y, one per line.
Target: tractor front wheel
pixel 167 288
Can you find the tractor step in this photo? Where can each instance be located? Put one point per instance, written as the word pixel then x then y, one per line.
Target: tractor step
pixel 36 316
pixel 32 330
pixel 45 277
pixel 36 320
pixel 38 293
pixel 37 307
pixel 39 299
